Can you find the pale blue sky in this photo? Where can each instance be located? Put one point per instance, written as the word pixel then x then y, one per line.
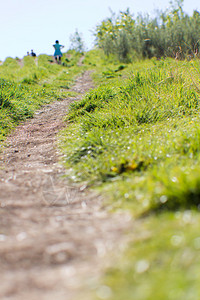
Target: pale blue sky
pixel 36 24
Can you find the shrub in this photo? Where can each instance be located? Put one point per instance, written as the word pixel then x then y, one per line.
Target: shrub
pixel 171 33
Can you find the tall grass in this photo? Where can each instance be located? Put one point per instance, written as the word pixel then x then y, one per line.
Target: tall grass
pixel 137 126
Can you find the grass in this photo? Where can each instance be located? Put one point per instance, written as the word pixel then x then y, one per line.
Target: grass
pixel 136 139
pixel 161 262
pixel 26 85
pixel 135 126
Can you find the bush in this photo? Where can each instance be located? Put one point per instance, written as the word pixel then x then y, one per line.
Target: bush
pixel 172 33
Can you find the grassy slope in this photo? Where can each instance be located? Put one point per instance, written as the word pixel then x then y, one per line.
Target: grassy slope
pixel 26 85
pixel 137 138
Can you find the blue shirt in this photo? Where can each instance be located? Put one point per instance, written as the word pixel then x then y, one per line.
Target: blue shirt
pixel 57 50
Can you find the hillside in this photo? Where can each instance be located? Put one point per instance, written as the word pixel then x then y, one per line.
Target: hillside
pixel 105 174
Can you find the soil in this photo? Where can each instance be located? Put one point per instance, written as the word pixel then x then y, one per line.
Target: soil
pixel 55 237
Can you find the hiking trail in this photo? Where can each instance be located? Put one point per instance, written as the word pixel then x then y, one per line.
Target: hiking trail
pixel 55 237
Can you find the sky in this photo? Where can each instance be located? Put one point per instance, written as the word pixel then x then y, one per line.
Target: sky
pixel 36 24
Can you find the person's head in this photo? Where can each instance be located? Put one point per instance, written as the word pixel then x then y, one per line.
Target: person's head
pixel 57 42
pixel 31 50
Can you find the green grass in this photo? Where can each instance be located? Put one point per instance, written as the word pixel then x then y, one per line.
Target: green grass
pixel 26 85
pixel 140 127
pixel 136 139
pixel 162 261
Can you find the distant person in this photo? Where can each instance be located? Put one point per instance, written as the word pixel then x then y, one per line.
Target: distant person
pixel 32 53
pixel 28 53
pixel 57 53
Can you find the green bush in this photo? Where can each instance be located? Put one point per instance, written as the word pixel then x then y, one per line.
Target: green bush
pixel 171 33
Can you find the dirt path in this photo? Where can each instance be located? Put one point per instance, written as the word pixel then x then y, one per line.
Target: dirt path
pixel 51 234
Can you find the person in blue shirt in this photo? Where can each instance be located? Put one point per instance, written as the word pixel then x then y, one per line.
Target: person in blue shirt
pixel 58 53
